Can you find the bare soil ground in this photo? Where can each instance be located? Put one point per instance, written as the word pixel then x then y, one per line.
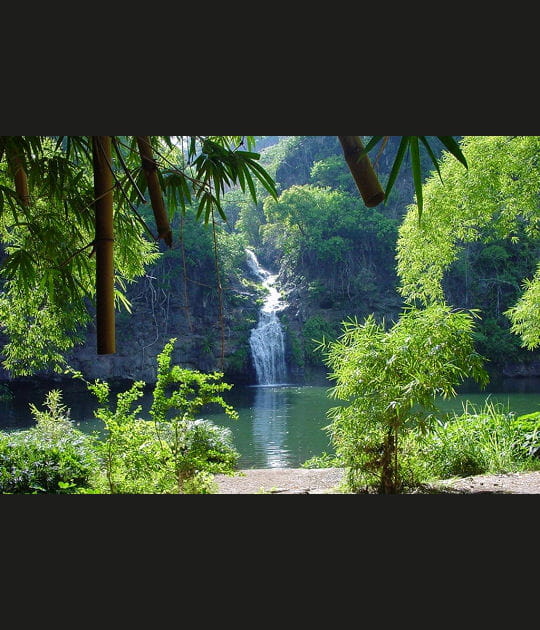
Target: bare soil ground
pixel 281 481
pixel 327 481
pixel 507 483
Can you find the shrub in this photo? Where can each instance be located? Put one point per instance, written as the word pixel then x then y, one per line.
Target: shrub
pixel 388 381
pixel 193 446
pixel 174 451
pixel 53 457
pixel 199 449
pixel 476 442
pixel 527 435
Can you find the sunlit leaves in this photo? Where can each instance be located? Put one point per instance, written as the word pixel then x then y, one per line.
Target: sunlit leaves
pixel 48 275
pixel 217 169
pixel 49 242
pixel 388 379
pixel 452 146
pixel 496 198
pixel 410 145
pixel 525 314
pixel 430 347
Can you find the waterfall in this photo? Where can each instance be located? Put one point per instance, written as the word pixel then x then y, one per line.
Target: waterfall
pixel 267 340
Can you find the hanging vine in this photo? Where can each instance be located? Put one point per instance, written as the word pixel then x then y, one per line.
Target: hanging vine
pixel 220 291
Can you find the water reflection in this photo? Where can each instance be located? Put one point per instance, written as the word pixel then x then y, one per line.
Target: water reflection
pixel 279 426
pixel 270 414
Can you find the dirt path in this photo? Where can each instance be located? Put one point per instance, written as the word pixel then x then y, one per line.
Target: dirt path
pixel 507 483
pixel 281 481
pixel 327 481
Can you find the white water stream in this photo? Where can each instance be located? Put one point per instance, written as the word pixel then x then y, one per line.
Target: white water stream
pixel 267 340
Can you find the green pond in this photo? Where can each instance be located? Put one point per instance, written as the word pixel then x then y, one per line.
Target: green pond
pixel 279 426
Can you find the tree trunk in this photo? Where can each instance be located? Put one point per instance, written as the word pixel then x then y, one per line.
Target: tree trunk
pixel 362 171
pixel 154 188
pixel 104 244
pixel 19 174
pixel 389 474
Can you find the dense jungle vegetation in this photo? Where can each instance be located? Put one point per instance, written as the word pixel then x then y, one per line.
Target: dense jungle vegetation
pixel 395 308
pixel 336 259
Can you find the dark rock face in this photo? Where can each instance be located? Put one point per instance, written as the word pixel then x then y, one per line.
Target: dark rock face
pixel 205 341
pixel 330 310
pixel 522 369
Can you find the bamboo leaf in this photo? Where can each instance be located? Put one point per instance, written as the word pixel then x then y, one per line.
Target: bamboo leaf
pixel 431 155
pixel 248 155
pixel 221 213
pixel 264 178
pixel 451 144
pixel 241 177
pixel 121 299
pixel 126 170
pixel 374 141
pixel 251 186
pixel 397 164
pixel 416 172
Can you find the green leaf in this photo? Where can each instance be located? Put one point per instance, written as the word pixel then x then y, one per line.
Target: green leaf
pixel 248 155
pixel 397 164
pixel 264 178
pixel 431 155
pixel 451 144
pixel 121 298
pixel 416 172
pixel 251 186
pixel 374 141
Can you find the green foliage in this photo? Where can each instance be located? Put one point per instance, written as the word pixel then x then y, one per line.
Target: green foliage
pixel 218 163
pixel 48 267
pixel 525 314
pixel 51 458
pixel 193 445
pixel 330 173
pixel 175 451
pixel 47 277
pixel 489 276
pixel 412 145
pixel 294 157
pixel 527 428
pixel 131 458
pixel 329 236
pixel 496 198
pixel 325 460
pixel 315 330
pixel 232 256
pixel 389 381
pixel 494 341
pixel 488 440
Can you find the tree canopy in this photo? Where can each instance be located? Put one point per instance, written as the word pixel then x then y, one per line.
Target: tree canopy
pixel 496 198
pixel 81 217
pixel 75 225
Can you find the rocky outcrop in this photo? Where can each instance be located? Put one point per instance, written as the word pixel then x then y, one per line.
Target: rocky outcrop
pixel 513 370
pixel 206 340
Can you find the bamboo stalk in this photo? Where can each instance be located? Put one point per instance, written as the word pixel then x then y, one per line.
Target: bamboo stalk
pixel 104 244
pixel 158 205
pixel 362 171
pixel 19 174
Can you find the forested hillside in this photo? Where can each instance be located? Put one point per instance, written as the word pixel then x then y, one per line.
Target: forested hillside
pixel 336 259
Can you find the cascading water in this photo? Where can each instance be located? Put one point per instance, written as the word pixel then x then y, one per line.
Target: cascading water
pixel 267 340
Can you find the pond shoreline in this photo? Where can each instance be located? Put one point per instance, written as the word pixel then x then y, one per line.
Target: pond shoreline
pixel 327 481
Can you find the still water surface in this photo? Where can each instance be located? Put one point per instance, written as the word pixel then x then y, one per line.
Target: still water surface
pixel 280 426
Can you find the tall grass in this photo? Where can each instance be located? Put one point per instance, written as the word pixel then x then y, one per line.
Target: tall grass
pixel 485 440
